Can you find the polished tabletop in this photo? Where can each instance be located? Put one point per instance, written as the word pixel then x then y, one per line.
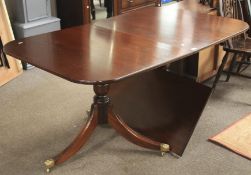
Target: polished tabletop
pixel 125 45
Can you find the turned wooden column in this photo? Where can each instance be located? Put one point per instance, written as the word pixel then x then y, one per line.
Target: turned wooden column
pixel 102 101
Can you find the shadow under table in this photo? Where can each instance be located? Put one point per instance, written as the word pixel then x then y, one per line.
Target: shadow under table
pixel 160 105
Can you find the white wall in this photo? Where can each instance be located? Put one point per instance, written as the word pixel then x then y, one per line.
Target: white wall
pixel 10 5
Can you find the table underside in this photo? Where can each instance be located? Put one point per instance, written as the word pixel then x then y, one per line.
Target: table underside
pixel 160 105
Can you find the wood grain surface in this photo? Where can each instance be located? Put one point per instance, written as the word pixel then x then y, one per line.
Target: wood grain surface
pixel 122 46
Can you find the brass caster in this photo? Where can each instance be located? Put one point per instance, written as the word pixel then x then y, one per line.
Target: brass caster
pixel 50 163
pixel 164 148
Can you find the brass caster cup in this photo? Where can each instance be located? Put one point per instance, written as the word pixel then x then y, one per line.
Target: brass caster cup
pixel 50 163
pixel 164 148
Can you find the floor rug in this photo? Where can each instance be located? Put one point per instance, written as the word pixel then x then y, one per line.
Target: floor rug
pixel 236 137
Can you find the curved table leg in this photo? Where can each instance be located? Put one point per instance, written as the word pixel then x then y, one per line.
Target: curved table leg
pixel 77 143
pixel 101 112
pixel 133 136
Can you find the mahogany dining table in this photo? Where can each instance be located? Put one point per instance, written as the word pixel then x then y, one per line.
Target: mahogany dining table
pixel 124 58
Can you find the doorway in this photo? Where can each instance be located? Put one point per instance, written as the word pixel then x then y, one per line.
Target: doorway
pixel 79 12
pixel 101 9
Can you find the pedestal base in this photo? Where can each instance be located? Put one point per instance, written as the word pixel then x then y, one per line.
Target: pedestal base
pixel 102 113
pixel 157 107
